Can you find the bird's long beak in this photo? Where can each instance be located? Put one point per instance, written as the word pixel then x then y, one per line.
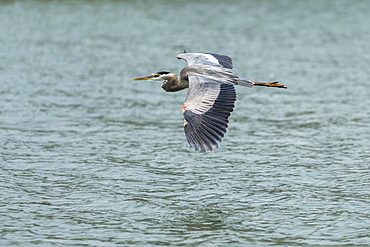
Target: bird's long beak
pixel 142 78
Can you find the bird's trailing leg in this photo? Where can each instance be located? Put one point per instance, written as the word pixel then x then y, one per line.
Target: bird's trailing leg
pixel 268 84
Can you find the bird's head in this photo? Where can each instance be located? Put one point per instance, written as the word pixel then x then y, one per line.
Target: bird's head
pixel 170 82
pixel 158 76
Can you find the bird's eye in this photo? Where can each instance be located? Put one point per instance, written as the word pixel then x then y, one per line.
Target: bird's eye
pixel 156 75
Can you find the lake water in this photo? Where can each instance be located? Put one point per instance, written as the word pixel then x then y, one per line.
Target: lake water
pixel 90 158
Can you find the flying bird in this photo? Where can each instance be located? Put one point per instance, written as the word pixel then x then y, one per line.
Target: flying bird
pixel 211 95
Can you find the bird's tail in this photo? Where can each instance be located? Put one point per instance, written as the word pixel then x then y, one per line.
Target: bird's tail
pixel 245 82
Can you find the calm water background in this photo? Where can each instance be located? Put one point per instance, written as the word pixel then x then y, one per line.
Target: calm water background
pixel 90 158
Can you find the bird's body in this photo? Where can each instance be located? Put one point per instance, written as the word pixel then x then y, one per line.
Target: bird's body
pixel 211 96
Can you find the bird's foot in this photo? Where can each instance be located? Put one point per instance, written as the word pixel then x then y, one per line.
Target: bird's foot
pixel 275 84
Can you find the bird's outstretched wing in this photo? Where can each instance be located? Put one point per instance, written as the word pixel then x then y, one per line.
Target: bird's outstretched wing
pixel 206 110
pixel 211 59
pixel 210 98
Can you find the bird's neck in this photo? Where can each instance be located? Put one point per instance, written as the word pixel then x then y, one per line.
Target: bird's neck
pixel 173 84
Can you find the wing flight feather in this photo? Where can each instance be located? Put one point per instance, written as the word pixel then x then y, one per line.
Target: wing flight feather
pixel 210 99
pixel 207 59
pixel 206 110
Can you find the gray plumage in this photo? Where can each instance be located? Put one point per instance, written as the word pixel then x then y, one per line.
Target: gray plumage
pixel 211 96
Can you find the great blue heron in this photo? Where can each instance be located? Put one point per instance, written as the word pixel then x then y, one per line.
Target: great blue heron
pixel 210 98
